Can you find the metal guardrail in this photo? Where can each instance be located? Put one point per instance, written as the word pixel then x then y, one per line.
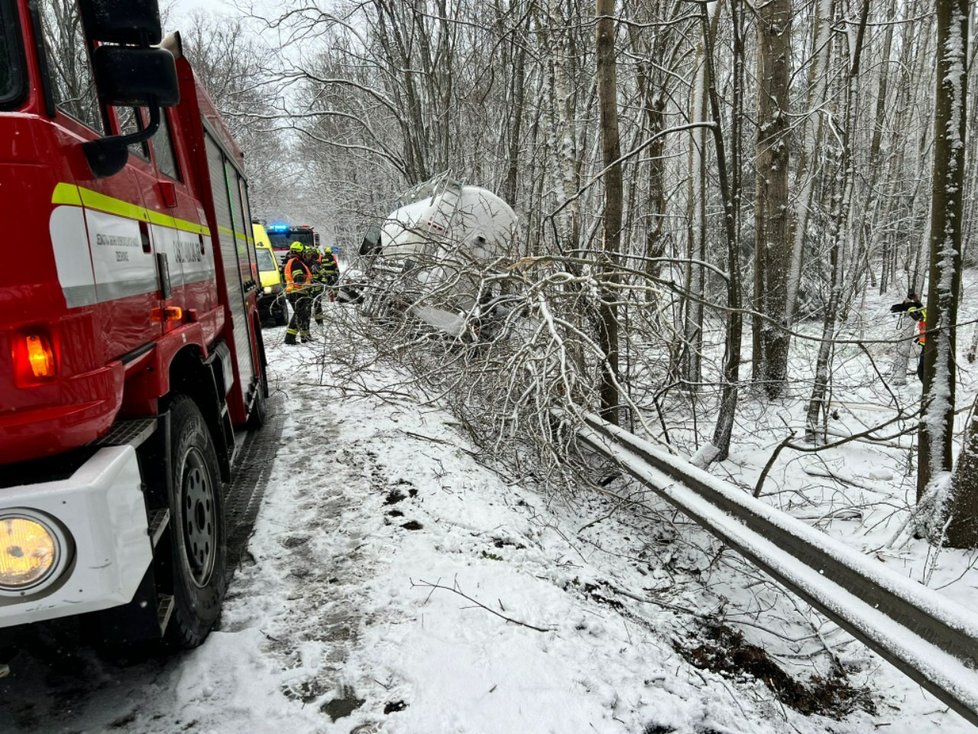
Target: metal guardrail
pixel 927 636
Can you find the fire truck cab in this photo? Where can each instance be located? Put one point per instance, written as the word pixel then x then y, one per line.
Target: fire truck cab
pixel 130 348
pixel 282 236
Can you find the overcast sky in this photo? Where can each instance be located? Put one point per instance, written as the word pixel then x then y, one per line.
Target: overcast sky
pixel 179 10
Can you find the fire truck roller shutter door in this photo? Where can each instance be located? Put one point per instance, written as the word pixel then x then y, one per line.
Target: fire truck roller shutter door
pixel 190 260
pixel 229 255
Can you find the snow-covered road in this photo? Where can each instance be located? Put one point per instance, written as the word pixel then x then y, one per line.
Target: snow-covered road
pixel 393 583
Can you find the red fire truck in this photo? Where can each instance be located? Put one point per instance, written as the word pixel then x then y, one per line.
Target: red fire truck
pixel 282 235
pixel 130 348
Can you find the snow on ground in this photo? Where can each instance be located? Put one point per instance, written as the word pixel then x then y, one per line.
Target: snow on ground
pixel 393 572
pixel 396 583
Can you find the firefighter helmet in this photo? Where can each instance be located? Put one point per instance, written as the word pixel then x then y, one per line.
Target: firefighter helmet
pixel 296 248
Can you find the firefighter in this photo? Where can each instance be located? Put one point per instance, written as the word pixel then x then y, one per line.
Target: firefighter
pixel 913 307
pixel 329 272
pixel 298 282
pixel 314 260
pixel 330 268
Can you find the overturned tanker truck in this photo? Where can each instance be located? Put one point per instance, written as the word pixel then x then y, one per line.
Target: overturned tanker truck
pixel 437 257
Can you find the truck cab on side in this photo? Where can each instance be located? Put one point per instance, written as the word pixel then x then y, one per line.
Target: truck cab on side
pixel 130 349
pixel 433 257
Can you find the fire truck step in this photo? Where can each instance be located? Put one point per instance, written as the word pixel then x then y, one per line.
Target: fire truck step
pixel 228 429
pixel 132 432
pixel 163 610
pixel 157 524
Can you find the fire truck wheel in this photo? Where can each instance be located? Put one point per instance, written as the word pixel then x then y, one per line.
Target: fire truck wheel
pixel 197 520
pixel 258 414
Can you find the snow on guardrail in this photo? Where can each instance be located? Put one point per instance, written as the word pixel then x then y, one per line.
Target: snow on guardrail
pixel 930 638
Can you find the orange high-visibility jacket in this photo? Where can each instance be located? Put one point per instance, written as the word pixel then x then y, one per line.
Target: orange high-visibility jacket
pixel 921 323
pixel 297 275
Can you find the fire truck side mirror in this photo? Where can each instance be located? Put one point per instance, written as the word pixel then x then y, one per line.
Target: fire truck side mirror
pixel 133 22
pixel 136 77
pixel 130 74
pixel 127 76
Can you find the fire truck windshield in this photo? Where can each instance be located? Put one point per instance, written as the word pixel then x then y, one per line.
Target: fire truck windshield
pixel 11 59
pixel 282 239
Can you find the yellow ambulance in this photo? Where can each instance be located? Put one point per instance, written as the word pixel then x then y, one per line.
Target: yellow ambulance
pixel 271 300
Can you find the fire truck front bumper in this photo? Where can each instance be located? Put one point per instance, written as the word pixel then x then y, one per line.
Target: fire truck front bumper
pixel 74 545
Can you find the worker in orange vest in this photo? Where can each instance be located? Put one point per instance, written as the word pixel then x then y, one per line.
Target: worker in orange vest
pixel 298 282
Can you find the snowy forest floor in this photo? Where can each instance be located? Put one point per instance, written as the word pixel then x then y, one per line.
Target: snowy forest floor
pixel 397 581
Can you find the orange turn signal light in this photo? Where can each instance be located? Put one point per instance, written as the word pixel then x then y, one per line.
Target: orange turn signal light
pixel 40 356
pixel 170 313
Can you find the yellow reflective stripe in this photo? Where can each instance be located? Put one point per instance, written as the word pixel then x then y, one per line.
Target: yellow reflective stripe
pixel 165 220
pixel 65 193
pixel 109 205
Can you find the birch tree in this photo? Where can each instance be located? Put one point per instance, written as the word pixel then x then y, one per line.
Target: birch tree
pixel 696 231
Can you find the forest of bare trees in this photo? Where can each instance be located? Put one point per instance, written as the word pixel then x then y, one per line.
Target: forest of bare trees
pixel 685 173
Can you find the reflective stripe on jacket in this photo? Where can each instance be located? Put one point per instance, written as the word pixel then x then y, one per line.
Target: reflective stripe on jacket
pixel 296 278
pixel 328 268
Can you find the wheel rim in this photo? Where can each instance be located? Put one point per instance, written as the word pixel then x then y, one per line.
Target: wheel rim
pixel 199 526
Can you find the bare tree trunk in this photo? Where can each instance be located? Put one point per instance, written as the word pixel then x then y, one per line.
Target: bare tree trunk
pixel 565 130
pixel 696 230
pixel 772 253
pixel 653 93
pixel 962 531
pixel 842 187
pixel 809 161
pixel 730 191
pixel 872 233
pixel 937 425
pixel 517 84
pixel 611 148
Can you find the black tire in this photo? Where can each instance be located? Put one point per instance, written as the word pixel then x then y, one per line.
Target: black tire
pixel 198 535
pixel 259 409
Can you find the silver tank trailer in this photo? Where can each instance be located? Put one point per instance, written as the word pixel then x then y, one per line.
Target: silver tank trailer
pixel 434 256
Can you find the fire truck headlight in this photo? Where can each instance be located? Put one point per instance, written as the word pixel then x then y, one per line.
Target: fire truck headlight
pixel 33 552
